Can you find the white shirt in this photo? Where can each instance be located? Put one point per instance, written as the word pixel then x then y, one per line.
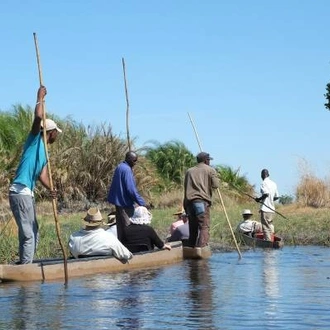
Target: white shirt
pixel 97 242
pixel 249 226
pixel 268 187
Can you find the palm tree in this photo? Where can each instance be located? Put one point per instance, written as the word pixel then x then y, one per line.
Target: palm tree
pixel 171 159
pixel 237 185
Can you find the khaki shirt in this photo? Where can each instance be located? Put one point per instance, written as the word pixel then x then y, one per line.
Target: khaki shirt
pixel 199 182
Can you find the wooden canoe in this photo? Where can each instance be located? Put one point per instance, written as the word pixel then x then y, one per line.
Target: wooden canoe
pixel 196 252
pixel 53 269
pixel 258 241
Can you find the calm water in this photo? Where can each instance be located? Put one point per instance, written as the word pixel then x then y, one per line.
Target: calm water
pixel 286 289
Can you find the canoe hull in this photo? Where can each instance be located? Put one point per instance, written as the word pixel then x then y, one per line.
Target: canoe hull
pixel 259 242
pixel 53 269
pixel 196 253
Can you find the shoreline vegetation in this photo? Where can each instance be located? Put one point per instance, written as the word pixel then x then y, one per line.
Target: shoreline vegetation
pixel 83 161
pixel 303 226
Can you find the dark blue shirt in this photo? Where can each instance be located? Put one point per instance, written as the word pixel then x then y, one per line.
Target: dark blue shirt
pixel 123 191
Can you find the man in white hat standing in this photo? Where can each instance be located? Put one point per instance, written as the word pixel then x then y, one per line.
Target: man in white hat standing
pixel 32 166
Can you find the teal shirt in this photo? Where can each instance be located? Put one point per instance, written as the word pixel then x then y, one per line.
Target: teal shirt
pixel 32 162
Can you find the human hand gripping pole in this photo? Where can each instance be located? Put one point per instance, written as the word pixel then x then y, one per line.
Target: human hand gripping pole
pixel 219 194
pixel 53 192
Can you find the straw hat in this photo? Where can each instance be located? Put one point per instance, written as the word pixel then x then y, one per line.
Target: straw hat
pixel 93 217
pixel 181 211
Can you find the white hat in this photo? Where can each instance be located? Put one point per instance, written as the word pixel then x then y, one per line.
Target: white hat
pixel 247 212
pixel 50 125
pixel 141 216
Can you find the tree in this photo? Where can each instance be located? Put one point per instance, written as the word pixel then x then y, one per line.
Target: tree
pixel 238 185
pixel 172 159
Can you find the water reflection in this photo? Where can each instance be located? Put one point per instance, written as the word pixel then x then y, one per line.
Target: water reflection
pixel 287 289
pixel 200 293
pixel 270 273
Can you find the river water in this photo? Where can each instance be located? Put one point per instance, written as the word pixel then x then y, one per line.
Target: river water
pixel 266 289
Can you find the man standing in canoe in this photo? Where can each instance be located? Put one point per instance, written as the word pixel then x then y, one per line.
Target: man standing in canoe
pixel 199 182
pixel 32 166
pixel 123 192
pixel 269 194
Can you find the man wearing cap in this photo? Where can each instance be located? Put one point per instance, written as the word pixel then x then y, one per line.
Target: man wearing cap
pixel 199 182
pixel 248 225
pixel 32 166
pixel 123 192
pixel 93 240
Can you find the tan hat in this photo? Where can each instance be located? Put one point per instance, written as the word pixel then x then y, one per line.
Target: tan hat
pixel 247 212
pixel 93 218
pixel 179 212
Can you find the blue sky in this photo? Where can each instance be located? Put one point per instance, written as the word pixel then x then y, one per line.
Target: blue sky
pixel 252 74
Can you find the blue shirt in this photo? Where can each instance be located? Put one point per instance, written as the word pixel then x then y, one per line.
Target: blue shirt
pixel 123 191
pixel 32 162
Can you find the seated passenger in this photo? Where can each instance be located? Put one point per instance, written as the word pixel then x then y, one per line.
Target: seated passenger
pixel 139 236
pixel 112 226
pixel 93 240
pixel 179 221
pixel 181 232
pixel 249 226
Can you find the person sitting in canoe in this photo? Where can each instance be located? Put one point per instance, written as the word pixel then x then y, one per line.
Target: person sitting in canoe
pixel 179 221
pixel 93 240
pixel 139 236
pixel 248 225
pixel 181 232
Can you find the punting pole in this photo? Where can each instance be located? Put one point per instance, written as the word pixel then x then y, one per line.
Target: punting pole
pixel 218 191
pixel 58 231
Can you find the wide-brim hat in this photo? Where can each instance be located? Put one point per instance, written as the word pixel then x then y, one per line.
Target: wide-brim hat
pixel 247 212
pixel 111 219
pixel 179 212
pixel 141 216
pixel 93 218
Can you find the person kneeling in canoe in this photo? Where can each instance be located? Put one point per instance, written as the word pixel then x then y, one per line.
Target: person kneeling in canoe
pixel 139 236
pixel 248 225
pixel 93 240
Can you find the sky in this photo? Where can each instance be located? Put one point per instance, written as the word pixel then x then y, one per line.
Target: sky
pixel 251 74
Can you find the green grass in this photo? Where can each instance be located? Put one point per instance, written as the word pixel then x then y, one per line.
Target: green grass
pixel 303 226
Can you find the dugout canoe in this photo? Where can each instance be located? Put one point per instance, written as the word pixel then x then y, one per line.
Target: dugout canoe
pixel 196 252
pixel 53 269
pixel 258 241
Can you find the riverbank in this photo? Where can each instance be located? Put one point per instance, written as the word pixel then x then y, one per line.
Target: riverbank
pixel 296 225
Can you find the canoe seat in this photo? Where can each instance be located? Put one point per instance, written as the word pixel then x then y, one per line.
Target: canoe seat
pixel 134 248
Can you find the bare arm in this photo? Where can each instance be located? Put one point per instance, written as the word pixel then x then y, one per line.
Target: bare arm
pixel 38 111
pixel 44 177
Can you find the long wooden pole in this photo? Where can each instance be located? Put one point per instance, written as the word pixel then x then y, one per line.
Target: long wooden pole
pixel 127 107
pixel 58 231
pixel 219 194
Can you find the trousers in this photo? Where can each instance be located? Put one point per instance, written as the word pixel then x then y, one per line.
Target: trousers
pixel 24 211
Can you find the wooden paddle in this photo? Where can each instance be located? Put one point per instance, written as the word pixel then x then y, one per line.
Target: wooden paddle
pixel 58 232
pixel 219 194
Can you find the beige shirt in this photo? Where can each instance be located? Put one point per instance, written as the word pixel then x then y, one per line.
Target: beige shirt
pixel 199 182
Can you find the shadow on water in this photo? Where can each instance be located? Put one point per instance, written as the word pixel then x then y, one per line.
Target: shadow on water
pixel 200 293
